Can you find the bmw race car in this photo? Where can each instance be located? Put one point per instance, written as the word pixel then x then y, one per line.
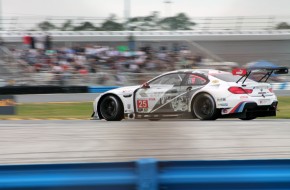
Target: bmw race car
pixel 205 94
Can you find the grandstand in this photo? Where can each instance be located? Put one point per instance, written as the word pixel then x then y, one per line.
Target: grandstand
pixel 239 44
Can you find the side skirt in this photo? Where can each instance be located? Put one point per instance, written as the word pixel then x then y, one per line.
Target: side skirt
pixel 185 115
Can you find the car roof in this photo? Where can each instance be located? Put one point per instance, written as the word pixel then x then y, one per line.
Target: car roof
pixel 204 72
pixel 201 71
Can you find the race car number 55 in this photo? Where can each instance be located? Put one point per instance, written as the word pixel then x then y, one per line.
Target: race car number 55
pixel 142 103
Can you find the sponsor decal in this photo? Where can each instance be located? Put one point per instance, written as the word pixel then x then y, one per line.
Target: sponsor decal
pixel 126 90
pixel 221 99
pixel 152 99
pixel 142 103
pixel 140 109
pixel 156 94
pixel 215 81
pixel 265 101
pixel 223 104
pixel 239 72
pixel 244 97
pixel 262 93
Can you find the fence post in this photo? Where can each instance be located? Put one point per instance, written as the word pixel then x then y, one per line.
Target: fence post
pixel 147 174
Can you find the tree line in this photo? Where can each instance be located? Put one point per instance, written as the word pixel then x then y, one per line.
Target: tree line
pixel 151 22
pixel 142 23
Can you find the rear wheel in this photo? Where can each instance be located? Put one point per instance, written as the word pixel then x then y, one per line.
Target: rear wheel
pixel 154 119
pixel 111 108
pixel 248 117
pixel 204 107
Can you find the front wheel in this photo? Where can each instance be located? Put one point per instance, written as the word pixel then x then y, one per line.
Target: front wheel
pixel 111 108
pixel 204 107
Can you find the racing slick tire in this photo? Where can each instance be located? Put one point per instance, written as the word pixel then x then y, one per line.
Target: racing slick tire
pixel 248 117
pixel 204 107
pixel 154 119
pixel 111 108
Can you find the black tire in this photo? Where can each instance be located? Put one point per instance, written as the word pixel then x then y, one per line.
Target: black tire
pixel 154 119
pixel 111 108
pixel 248 117
pixel 204 107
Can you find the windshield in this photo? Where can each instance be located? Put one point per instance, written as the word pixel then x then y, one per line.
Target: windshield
pixel 170 79
pixel 229 77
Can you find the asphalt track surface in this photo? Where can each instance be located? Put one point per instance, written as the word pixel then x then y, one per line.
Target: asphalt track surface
pixel 56 141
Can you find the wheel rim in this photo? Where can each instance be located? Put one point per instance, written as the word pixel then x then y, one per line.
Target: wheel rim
pixel 109 108
pixel 204 107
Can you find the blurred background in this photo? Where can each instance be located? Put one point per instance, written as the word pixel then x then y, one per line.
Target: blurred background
pixel 96 43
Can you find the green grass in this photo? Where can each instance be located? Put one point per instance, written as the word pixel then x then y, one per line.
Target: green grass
pixel 83 110
pixel 80 110
pixel 283 107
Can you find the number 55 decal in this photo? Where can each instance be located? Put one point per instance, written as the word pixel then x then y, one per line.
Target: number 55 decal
pixel 142 103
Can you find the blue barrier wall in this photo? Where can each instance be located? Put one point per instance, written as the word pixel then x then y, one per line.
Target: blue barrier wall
pixel 281 86
pixel 100 89
pixel 14 90
pixel 148 174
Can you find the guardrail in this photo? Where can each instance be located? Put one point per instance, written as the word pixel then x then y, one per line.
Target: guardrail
pixel 149 174
pixel 122 36
pixel 147 33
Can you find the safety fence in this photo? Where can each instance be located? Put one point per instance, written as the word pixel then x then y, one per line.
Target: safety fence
pixel 69 37
pixel 125 34
pixel 150 174
pixel 31 23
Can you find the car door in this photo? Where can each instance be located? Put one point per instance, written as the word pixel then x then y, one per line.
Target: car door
pixel 160 95
pixel 190 85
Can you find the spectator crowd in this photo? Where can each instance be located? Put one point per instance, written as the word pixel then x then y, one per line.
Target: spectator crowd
pixel 38 55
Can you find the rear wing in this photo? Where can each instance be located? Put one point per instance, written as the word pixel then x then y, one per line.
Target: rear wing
pixel 245 73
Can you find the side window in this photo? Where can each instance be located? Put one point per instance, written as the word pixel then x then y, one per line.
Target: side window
pixel 196 80
pixel 170 79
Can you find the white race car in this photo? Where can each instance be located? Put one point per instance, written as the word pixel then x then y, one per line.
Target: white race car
pixel 205 94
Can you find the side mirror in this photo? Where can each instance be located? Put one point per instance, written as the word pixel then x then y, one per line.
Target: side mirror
pixel 145 85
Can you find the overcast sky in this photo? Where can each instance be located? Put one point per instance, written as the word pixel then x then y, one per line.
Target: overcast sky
pixel 103 8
